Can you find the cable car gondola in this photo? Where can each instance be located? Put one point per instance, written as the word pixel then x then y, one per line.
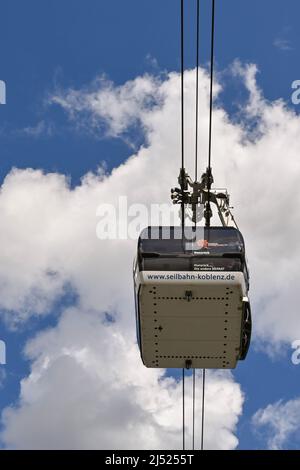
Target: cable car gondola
pixel 191 283
pixel 192 306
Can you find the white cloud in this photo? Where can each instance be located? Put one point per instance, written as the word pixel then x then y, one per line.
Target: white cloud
pixel 152 62
pixel 42 128
pixel 49 234
pixel 110 109
pixel 256 103
pixel 282 44
pixel 89 389
pixel 279 422
pixel 261 172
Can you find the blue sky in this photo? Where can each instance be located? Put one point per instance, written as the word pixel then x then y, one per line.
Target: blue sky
pixel 47 44
pixel 50 45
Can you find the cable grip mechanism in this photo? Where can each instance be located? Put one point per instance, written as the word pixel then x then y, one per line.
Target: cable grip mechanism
pixel 198 195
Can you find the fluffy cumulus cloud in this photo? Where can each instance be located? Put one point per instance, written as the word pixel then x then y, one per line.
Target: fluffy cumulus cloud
pixel 279 423
pixel 108 108
pixel 87 387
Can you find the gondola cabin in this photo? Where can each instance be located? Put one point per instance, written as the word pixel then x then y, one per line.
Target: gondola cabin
pixel 191 295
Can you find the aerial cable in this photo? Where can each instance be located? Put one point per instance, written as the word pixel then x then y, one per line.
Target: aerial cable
pixel 211 80
pixel 182 172
pixel 197 87
pixel 192 193
pixel 202 411
pixel 182 108
pixel 209 176
pixel 194 381
pixel 182 82
pixel 209 173
pixel 183 412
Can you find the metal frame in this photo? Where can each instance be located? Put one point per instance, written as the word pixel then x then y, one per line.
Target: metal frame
pixel 201 194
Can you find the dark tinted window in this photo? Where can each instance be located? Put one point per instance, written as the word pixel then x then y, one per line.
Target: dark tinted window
pixel 213 240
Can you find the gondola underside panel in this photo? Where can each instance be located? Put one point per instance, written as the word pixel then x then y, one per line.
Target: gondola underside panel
pixel 198 323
